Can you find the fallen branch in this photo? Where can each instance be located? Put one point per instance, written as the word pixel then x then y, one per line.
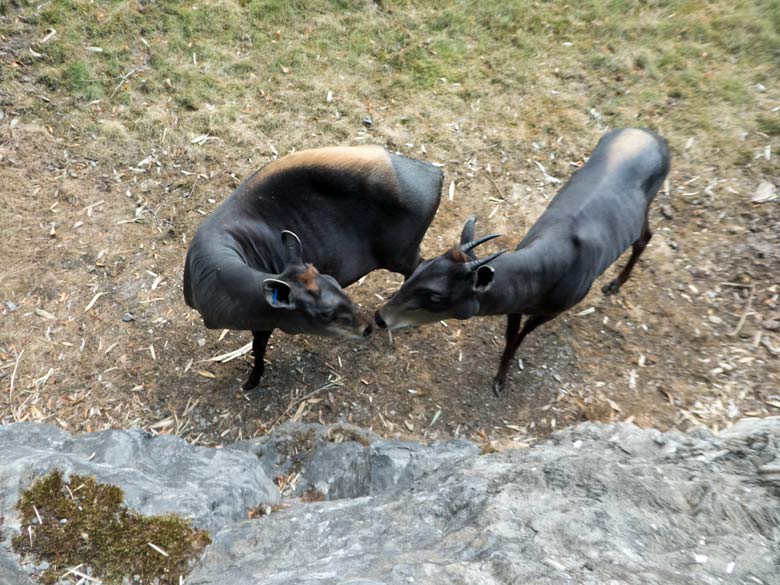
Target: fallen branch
pixel 293 404
pixel 495 185
pixel 13 375
pixel 231 355
pixel 745 314
pixel 123 79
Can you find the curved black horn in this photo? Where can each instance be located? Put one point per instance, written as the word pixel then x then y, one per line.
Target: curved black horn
pixel 468 246
pixel 292 247
pixel 474 264
pixel 468 230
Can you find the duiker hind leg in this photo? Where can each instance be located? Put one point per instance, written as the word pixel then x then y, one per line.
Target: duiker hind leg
pixel 638 247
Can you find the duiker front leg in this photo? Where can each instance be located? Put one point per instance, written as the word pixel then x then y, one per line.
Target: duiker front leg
pixel 259 343
pixel 513 342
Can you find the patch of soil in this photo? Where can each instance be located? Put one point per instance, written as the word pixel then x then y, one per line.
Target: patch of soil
pixel 94 332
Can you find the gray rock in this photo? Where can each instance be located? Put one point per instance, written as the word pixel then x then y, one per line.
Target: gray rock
pixel 401 462
pixel 594 504
pixel 292 441
pixel 336 471
pixel 344 461
pixel 10 573
pixel 158 474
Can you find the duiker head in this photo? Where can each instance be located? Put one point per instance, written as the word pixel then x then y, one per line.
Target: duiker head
pixel 446 287
pixel 316 302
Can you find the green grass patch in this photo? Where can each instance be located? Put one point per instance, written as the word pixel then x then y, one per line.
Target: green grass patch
pixel 280 57
pixel 769 125
pixel 80 79
pixel 81 521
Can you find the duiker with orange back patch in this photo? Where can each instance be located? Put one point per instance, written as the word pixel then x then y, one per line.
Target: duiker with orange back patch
pixel 596 216
pixel 277 252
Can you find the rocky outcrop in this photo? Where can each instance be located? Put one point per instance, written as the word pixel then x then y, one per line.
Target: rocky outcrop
pixel 593 504
pixel 158 474
pixel 10 573
pixel 596 504
pixel 344 461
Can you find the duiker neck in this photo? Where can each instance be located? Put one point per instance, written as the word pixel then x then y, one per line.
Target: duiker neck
pixel 522 277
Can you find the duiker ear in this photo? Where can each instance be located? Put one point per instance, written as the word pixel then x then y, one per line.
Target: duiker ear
pixel 483 278
pixel 468 230
pixel 278 294
pixel 292 248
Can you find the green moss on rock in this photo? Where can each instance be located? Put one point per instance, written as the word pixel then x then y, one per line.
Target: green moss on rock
pixel 81 521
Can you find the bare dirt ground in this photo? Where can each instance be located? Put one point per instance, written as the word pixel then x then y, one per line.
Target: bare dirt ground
pixel 98 210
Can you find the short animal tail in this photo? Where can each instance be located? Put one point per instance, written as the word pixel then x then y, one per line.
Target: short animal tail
pixel 664 166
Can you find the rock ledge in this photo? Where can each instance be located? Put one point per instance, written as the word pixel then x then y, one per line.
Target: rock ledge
pixel 593 504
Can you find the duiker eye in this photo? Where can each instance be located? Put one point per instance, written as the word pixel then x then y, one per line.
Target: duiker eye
pixel 325 315
pixel 435 298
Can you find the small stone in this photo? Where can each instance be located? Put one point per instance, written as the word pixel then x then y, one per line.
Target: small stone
pixel 201 342
pixel 771 324
pixel 666 211
pixel 11 306
pixel 127 317
pixel 367 121
pixel 766 191
pixel 758 443
pixel 701 559
pixel 733 228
